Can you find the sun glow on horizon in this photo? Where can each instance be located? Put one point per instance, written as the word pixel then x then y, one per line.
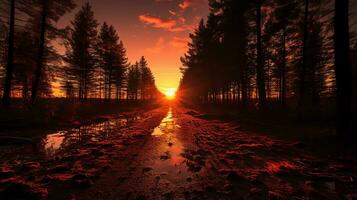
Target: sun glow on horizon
pixel 170 93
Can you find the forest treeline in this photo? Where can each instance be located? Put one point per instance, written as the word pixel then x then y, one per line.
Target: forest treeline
pixel 274 54
pixel 94 64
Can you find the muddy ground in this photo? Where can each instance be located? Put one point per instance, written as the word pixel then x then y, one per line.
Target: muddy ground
pixel 171 153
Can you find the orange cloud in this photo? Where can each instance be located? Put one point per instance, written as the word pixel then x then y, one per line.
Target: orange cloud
pixel 157 22
pixel 179 43
pixel 167 24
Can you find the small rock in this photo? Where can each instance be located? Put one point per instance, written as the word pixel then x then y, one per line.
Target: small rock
pixel 166 156
pixel 147 169
pixel 58 169
pixel 81 180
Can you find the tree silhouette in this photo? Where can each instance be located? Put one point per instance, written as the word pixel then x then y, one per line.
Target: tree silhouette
pixel 282 47
pixel 10 57
pixel 3 41
pixel 120 70
pixel 41 50
pixel 81 51
pixel 133 81
pixel 260 62
pixel 51 11
pixel 343 68
pixel 147 82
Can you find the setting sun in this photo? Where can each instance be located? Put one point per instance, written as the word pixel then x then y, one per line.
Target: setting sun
pixel 170 93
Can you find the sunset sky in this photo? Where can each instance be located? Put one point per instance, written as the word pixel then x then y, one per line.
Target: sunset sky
pixel 156 29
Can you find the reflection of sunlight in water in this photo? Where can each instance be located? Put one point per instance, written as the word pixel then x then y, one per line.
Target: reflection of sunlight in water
pixel 167 125
pixel 54 142
pixel 170 147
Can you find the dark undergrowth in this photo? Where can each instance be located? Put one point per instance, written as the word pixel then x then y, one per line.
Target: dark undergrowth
pixel 59 112
pixel 313 130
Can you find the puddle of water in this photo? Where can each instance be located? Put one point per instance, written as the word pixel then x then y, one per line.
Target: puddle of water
pixel 55 142
pixel 171 148
pixel 167 125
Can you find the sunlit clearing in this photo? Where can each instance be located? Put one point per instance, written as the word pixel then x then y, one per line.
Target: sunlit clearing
pixel 170 93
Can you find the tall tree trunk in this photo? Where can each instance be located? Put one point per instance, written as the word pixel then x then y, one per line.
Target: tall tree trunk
pixel 283 70
pixel 244 90
pixel 268 82
pixel 41 50
pixel 260 65
pixel 10 57
pixel 85 84
pixel 343 68
pixel 25 90
pixel 110 85
pixel 304 61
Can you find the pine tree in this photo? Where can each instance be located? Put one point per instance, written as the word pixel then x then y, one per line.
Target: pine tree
pixel 260 62
pixel 41 19
pixel 147 81
pixel 81 51
pixel 120 70
pixel 112 58
pixel 133 81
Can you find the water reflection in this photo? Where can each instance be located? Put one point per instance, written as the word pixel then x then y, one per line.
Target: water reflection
pixel 170 147
pixel 55 142
pixel 167 125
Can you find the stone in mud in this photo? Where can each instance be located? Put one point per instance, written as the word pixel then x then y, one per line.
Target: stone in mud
pixel 81 180
pixel 30 166
pixel 46 180
pixel 165 156
pixel 58 169
pixel 257 193
pixel 168 195
pixel 193 167
pixel 147 169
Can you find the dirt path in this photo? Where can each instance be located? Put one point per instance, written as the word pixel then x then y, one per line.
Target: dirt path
pixel 186 157
pixel 173 153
